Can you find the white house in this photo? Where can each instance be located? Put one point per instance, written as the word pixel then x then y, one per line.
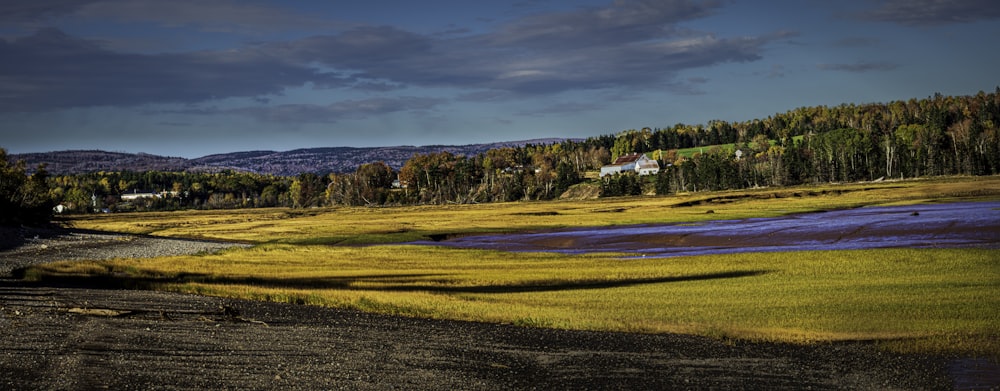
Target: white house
pixel 636 162
pixel 135 195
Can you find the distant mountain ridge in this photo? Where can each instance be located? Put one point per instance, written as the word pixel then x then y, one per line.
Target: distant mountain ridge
pixel 286 163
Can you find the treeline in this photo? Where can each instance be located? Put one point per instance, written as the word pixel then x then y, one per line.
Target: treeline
pixel 533 172
pixel 24 199
pixel 935 136
pixel 156 190
pixel 929 137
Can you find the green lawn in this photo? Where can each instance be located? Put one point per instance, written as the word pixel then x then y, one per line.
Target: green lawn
pixel 729 148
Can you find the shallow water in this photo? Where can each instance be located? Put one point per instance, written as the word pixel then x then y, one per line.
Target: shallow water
pixel 965 224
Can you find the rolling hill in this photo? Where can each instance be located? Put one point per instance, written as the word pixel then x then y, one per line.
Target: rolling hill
pixel 294 162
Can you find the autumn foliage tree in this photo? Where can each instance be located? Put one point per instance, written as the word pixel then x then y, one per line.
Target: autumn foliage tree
pixel 24 199
pixel 939 135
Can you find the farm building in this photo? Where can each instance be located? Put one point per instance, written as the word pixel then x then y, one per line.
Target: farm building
pixel 135 195
pixel 636 162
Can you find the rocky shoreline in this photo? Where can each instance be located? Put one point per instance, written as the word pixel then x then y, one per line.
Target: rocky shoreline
pixel 87 337
pixel 23 247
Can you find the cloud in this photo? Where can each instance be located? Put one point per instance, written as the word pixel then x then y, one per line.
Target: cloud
pixel 856 42
pixel 357 49
pixel 562 108
pixel 776 71
pixel 624 21
pixel 933 12
pixel 628 45
pixel 343 110
pixel 859 67
pixel 217 15
pixel 38 10
pixel 51 70
pixel 176 124
pixel 485 96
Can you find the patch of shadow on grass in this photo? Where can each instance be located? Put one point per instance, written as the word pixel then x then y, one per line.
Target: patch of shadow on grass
pixel 127 281
pixel 379 282
pixel 443 236
pixel 576 285
pixel 543 213
pixel 419 283
pixel 609 210
pixel 783 193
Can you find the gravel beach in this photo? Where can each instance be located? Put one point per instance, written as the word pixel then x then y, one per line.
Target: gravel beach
pixel 22 247
pixel 86 337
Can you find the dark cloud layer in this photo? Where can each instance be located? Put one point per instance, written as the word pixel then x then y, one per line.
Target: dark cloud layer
pixel 215 15
pixel 934 12
pixel 628 44
pixel 51 70
pixel 34 11
pixel 488 62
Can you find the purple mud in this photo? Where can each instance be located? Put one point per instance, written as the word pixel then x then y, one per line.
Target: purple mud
pixel 948 225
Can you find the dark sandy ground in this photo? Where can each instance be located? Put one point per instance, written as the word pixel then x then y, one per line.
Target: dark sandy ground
pixel 67 337
pixel 58 338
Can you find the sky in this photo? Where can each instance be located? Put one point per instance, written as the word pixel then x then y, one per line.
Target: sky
pixel 191 78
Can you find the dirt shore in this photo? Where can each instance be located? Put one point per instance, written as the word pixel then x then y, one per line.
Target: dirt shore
pixel 85 337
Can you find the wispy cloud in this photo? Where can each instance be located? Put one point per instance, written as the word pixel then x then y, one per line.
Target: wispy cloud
pixel 859 67
pixel 856 42
pixel 623 21
pixel 630 44
pixel 933 12
pixel 343 110
pixel 562 108
pixel 776 71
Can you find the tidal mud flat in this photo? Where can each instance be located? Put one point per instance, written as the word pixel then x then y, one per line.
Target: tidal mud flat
pixel 950 225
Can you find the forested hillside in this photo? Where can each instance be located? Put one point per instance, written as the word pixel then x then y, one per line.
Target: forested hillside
pixel 928 137
pixel 285 163
pixel 73 162
pixel 939 135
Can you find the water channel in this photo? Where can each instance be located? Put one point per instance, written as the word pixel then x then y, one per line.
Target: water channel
pixel 942 225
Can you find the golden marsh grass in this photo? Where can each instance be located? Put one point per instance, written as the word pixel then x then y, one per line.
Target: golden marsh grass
pixel 929 300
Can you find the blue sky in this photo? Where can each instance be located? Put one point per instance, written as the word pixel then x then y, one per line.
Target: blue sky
pixel 196 77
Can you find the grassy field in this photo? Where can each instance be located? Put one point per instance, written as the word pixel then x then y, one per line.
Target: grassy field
pixel 400 224
pixel 940 300
pixel 728 148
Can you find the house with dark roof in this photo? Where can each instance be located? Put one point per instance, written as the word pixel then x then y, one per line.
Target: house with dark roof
pixel 635 162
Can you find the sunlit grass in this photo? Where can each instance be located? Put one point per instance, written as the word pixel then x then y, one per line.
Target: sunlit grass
pixel 361 225
pixel 943 301
pixel 924 300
